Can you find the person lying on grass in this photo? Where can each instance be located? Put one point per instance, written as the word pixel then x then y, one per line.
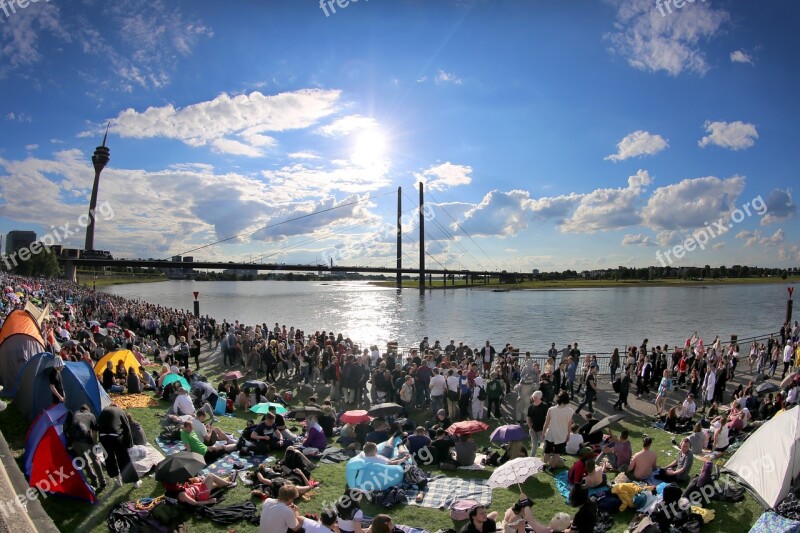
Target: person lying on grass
pixel 197 490
pixel 269 482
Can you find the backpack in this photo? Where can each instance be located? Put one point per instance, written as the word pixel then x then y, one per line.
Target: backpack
pixel 463 386
pixel 416 476
pixel 389 497
pixel 460 509
pixel 617 385
pixel 481 393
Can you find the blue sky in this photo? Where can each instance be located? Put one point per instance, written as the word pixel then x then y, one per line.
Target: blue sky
pixel 556 135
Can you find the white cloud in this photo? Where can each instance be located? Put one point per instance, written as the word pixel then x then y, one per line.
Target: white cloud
pixel 692 203
pixel 733 135
pixel 302 155
pixel 247 116
pixel 755 237
pixel 740 56
pixel 302 180
pixel 31 147
pixel 652 42
pixel 668 237
pixel 346 125
pixel 604 209
pixel 18 117
pixel 499 214
pixel 445 176
pixel 779 207
pixel 718 246
pixel 447 77
pixel 637 144
pixel 637 239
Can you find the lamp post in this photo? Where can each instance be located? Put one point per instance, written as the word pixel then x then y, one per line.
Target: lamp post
pixel 99 161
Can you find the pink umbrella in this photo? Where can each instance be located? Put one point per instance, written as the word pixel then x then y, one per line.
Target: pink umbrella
pixel 467 427
pixel 355 417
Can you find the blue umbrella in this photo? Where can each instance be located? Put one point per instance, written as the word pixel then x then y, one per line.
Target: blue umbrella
pixel 509 433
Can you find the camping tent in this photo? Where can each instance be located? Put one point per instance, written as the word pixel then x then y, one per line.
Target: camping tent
pixel 20 339
pixel 46 453
pixel 126 356
pixel 769 460
pixel 80 387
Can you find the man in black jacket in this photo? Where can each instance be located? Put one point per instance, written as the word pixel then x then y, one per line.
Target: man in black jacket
pixel 116 438
pixel 624 388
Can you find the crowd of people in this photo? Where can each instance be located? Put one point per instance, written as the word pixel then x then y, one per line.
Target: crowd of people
pixel 452 382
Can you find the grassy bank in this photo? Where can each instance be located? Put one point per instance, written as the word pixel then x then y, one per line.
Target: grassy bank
pixel 87 280
pixel 494 283
pixel 70 515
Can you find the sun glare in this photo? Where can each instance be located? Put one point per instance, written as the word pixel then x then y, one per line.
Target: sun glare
pixel 369 148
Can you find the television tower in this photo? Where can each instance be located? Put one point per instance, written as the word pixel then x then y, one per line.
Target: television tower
pixel 99 161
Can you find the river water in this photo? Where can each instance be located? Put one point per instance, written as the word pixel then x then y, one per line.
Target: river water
pixel 598 319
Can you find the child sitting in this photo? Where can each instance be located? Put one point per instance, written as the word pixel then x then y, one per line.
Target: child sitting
pixel 575 440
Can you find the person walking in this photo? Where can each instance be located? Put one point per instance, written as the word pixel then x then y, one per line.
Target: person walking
pixel 624 388
pixel 494 393
pixel 614 365
pixel 591 390
pixel 116 438
pixel 572 370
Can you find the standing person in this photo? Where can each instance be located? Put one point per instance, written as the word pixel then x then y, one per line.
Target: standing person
pixel 572 370
pixel 494 393
pixel 56 385
pixel 709 387
pixel 80 428
pixel 537 414
pixel 624 388
pixel 788 358
pixel 663 389
pixel 478 397
pixel 643 377
pixel 556 427
pixel 452 393
pixel 591 390
pixel 526 388
pixel 438 388
pixel 116 438
pixel 614 365
pixel 194 351
pixel 487 356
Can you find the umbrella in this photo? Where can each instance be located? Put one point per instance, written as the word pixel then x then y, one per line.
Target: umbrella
pixel 172 378
pixel 111 325
pixel 515 471
pixel 260 385
pixel 232 376
pixel 384 409
pixel 355 417
pixel 762 377
pixel 180 467
pixel 766 388
pixel 605 422
pixel 508 433
pixel 303 412
pixel 94 323
pixel 788 380
pixel 263 408
pixel 466 427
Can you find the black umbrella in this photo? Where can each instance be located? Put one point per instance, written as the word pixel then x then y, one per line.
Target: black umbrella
pixel 253 384
pixel 384 409
pixel 766 388
pixel 180 467
pixel 303 412
pixel 762 377
pixel 605 422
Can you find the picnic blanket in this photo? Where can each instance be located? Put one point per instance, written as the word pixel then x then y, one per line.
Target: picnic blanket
pixel 224 465
pixel 130 401
pixel 564 486
pixel 334 454
pixel 146 462
pixel 477 465
pixel 770 522
pixel 441 492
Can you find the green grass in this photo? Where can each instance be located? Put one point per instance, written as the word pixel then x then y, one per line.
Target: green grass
pixel 70 515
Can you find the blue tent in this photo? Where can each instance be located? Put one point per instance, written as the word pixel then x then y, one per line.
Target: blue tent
pixel 80 387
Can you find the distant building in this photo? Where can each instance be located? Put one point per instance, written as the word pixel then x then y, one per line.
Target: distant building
pixel 535 271
pixel 17 240
pixel 240 272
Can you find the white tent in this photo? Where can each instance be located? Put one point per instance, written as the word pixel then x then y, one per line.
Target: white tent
pixel 769 461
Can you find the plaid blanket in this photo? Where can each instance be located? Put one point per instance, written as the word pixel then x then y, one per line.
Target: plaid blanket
pixel 224 465
pixel 443 491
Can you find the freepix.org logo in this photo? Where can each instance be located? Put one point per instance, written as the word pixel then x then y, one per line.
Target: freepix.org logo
pixel 9 7
pixel 701 237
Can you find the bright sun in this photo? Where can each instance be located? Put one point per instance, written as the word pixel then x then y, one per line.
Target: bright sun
pixel 369 148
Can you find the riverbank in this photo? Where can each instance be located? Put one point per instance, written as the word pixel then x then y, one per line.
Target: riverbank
pixel 87 280
pixel 495 285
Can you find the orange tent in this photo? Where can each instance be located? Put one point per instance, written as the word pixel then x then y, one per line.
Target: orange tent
pixel 20 339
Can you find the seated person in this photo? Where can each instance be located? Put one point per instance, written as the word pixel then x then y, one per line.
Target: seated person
pixel 417 441
pixel 592 439
pixel 466 450
pixel 315 438
pixel 266 436
pixel 193 444
pixel 480 521
pixel 618 451
pixel 688 409
pixel 382 523
pixel 678 470
pixel 230 388
pixel 326 421
pixel 349 511
pixel 575 440
pixel 108 377
pixel 644 462
pixel 514 450
pixel 577 472
pixel 121 373
pixel 520 514
pixel 441 447
pixel 147 381
pixel 585 519
pixel 390 446
pixel 380 432
pixel 197 491
pixel 210 434
pixel 133 383
pixel 595 475
pixel 370 455
pixel 348 437
pixel 267 482
pixel 280 423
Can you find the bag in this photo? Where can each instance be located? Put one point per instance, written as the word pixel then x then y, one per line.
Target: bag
pixel 452 395
pixel 229 406
pixel 221 405
pixel 481 394
pixel 389 497
pixel 416 476
pixel 170 433
pixel 617 385
pixel 460 509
